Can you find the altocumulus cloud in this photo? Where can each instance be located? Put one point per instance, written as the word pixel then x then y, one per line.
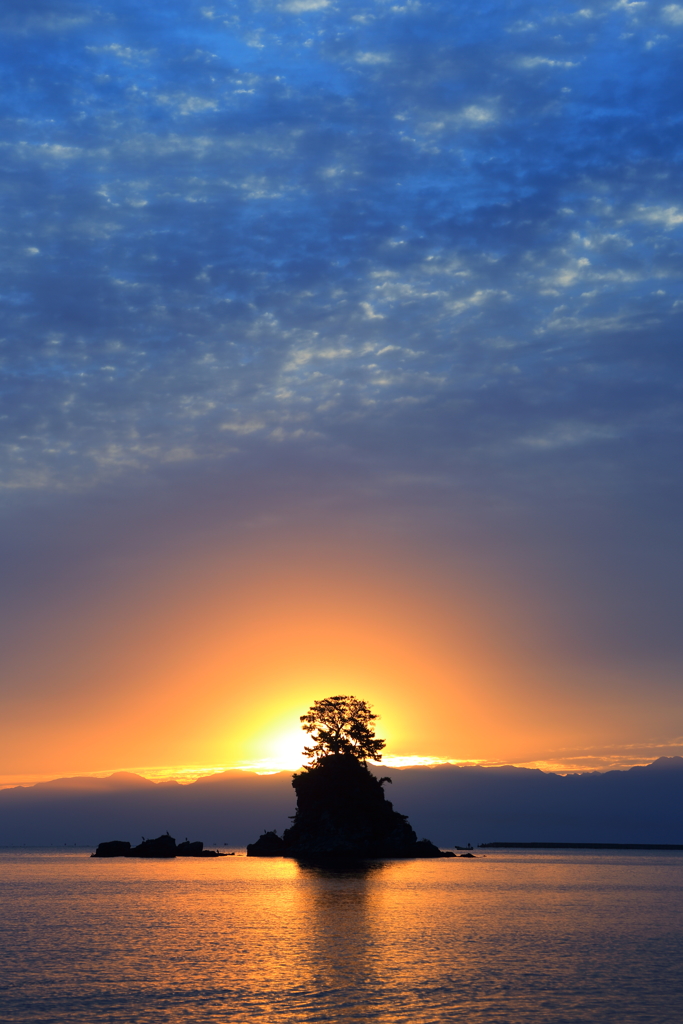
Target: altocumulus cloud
pixel 434 233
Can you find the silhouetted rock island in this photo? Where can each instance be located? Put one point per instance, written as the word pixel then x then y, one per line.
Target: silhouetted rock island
pixel 342 812
pixel 161 847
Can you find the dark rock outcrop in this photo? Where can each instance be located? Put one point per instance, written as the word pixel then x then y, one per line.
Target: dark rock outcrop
pixel 116 848
pixel 267 845
pixel 162 847
pixel 188 849
pixel 196 850
pixel 342 812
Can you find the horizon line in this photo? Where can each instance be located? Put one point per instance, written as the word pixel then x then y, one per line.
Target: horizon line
pixel 187 774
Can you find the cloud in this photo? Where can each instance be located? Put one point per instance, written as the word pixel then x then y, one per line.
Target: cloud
pixel 300 6
pixel 124 53
pixel 670 217
pixel 480 115
pixel 673 13
pixel 44 18
pixel 188 104
pixel 373 58
pixel 535 62
pixel 214 244
pixel 563 434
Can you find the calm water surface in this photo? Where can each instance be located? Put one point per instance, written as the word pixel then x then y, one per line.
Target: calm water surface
pixel 512 938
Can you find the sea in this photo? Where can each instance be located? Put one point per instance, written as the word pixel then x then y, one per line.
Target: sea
pixel 509 937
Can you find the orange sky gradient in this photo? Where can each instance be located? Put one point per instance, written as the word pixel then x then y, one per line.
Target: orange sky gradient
pixel 193 660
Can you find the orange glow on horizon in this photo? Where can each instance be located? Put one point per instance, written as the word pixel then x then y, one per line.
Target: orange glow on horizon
pixel 213 653
pixel 186 774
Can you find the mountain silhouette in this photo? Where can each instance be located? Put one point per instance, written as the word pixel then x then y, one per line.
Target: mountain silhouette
pixel 450 804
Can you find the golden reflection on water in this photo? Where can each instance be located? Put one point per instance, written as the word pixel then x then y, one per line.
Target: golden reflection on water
pixel 508 939
pixel 346 944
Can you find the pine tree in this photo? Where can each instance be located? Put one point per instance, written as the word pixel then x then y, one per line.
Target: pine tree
pixel 341 725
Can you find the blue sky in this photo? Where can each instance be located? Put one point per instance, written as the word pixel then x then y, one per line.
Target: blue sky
pixel 309 221
pixel 419 261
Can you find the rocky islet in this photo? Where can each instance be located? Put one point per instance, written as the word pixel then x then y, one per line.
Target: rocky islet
pixel 342 812
pixel 163 847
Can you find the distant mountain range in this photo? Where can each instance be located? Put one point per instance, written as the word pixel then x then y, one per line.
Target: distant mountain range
pixel 450 804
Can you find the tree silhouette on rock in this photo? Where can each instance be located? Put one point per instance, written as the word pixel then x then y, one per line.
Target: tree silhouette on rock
pixel 341 809
pixel 342 725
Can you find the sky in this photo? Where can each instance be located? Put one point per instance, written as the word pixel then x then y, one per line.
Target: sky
pixel 340 354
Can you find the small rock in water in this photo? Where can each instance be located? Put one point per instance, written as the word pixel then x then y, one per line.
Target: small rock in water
pixel 268 845
pixel 163 847
pixel 189 849
pixel 116 848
